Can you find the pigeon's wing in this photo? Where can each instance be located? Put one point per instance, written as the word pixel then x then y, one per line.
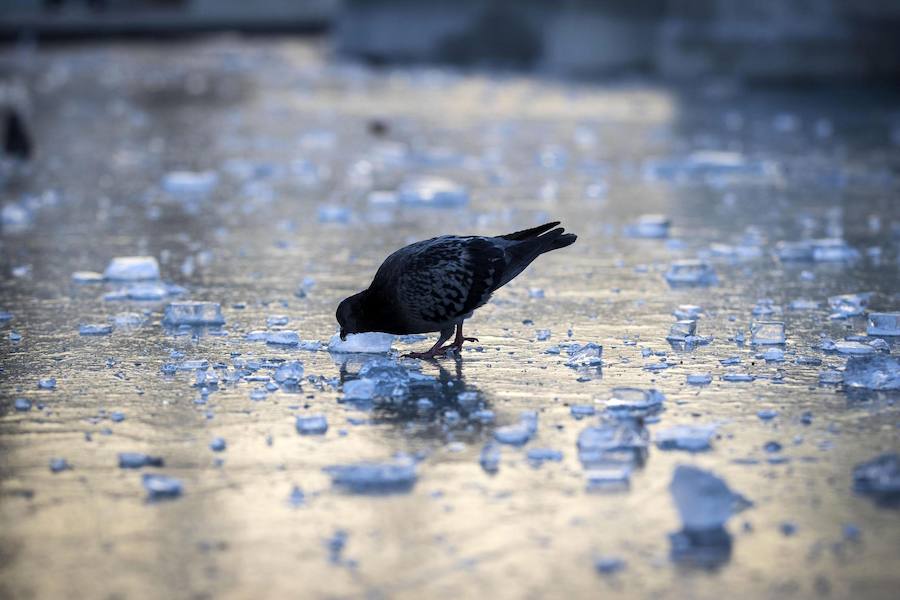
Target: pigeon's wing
pixel 443 279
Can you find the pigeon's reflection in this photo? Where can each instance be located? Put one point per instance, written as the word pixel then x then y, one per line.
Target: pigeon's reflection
pixel 430 399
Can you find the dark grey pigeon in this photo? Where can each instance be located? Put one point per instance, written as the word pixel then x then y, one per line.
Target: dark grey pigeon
pixel 436 284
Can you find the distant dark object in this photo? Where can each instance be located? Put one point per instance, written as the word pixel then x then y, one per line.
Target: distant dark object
pixel 436 284
pixel 16 141
pixel 378 127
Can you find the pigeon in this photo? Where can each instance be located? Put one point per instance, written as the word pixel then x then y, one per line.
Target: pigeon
pixel 436 284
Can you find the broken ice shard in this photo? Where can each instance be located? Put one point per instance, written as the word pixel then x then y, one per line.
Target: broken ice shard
pixel 635 401
pixel 489 459
pixel 519 433
pixel 193 313
pixel 830 377
pixel 833 250
pixel 364 343
pixel 699 378
pixel 693 438
pixel 137 460
pixel 277 320
pixel 398 475
pixel 875 372
pixel 435 192
pixel 160 487
pixel 884 324
pixel 802 250
pixel 589 355
pixel 537 456
pixel 620 442
pixel 22 404
pixel 681 330
pixel 609 565
pixel 687 312
pixel 690 272
pixel 283 338
pixel 94 329
pixel 218 444
pixel 703 500
pixel 849 305
pixel 649 226
pixel 852 347
pixel 190 183
pixel 132 268
pixel 360 389
pixel 59 464
pixel 289 373
pixel 311 424
pixel 87 277
pixel 880 479
pixel 767 332
pixel 48 383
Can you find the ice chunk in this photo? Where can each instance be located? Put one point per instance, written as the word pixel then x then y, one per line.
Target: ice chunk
pixel 635 401
pixel 616 442
pixel 579 411
pixel 876 372
pixel 610 478
pixel 802 250
pixel 125 320
pixel 283 338
pixel 884 324
pixel 94 329
pixel 277 320
pixel 289 373
pixel 160 487
pixel 516 435
pixel 693 438
pixel 398 475
pixel 489 459
pixel 311 424
pixel 296 498
pixel 22 404
pixel 218 444
pixel 649 226
pixel 432 192
pixel 703 500
pixel 879 478
pixel 699 378
pixel 5 316
pixel 538 456
pixel 193 313
pixel 47 383
pixel 364 343
pixel 851 347
pixel 132 268
pixel 849 305
pixel 681 330
pixel 773 355
pixel 803 304
pixel 542 335
pixel 833 250
pixel 137 460
pixel 589 355
pixel 830 377
pixel 87 277
pixel 767 332
pixel 59 464
pixel 690 272
pixel 688 312
pixel 737 377
pixel 190 183
pixel 360 389
pixel 607 565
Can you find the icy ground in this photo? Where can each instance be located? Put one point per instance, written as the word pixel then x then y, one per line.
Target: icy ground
pixel 661 410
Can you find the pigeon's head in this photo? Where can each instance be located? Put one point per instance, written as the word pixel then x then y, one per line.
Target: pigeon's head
pixel 350 315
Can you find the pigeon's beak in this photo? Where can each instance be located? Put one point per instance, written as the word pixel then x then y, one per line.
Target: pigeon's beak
pixel 343 335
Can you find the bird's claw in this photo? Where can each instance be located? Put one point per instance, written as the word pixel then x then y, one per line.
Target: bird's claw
pixel 467 339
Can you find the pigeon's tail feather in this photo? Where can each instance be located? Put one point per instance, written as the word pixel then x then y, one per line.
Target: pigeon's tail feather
pixel 524 252
pixel 567 239
pixel 527 234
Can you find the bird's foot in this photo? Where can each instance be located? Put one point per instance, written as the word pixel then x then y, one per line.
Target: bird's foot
pixel 433 353
pixel 465 339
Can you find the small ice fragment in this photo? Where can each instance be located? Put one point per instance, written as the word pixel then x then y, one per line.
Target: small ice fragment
pixel 608 565
pixel 649 226
pixel 787 528
pixel 398 475
pixel 218 444
pixel 610 478
pixel 537 456
pixel 296 498
pixel 772 446
pixel 127 319
pixel 618 442
pixel 489 459
pixel 681 330
pixel 833 250
pixel 767 332
pixel 258 335
pixel 5 316
pixel 48 383
pixel 879 478
pixel 516 435
pixel 580 411
pixel 803 304
pixel 849 305
pixel 59 464
pixel 116 416
pixel 773 355
pixel 767 414
pixel 190 183
pixel 693 438
pixel 132 268
pixel 283 338
pixel 830 377
pixel 22 404
pixel 857 348
pixel 699 378
pixel 635 400
pixel 704 501
pixel 137 460
pixel 87 277
pixel 690 272
pixel 161 487
pixel 94 329
pixel 311 424
pixel 688 312
pixel 884 324
pixel 432 192
pixel 875 372
pixel 737 377
pixel 360 389
pixel 365 343
pixel 810 361
pixel 535 293
pixel 542 335
pixel 589 355
pixel 289 373
pixel 277 320
pixel 802 250
pixel 15 336
pixel 193 313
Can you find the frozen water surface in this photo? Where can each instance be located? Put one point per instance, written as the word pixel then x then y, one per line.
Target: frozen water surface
pixel 268 130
